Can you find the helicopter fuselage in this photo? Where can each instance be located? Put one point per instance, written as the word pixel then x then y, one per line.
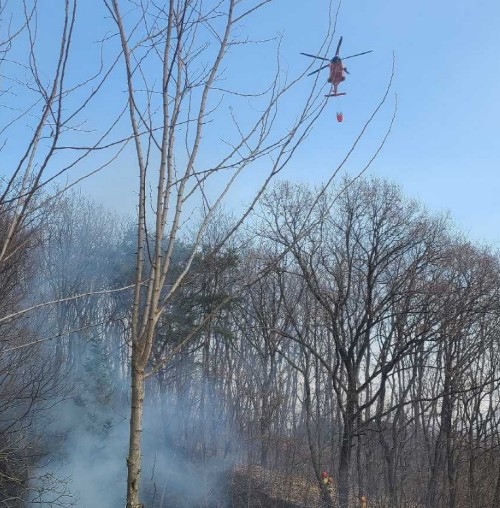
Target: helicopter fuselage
pixel 336 76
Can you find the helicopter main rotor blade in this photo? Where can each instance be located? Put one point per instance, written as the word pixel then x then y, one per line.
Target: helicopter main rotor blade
pixel 314 56
pixel 338 46
pixel 317 70
pixel 357 54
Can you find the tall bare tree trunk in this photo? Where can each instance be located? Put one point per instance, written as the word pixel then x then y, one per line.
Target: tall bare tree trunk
pixel 134 457
pixel 346 449
pixel 441 454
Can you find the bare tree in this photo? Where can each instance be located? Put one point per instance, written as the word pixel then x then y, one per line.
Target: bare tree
pixel 468 295
pixel 173 67
pixel 27 377
pixel 364 262
pixel 43 108
pixel 43 104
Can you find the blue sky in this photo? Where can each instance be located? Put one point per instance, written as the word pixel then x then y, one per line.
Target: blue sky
pixel 445 146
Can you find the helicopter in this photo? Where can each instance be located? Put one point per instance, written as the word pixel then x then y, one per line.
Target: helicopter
pixel 337 71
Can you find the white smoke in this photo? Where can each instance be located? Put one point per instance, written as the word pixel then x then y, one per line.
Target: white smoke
pixel 184 453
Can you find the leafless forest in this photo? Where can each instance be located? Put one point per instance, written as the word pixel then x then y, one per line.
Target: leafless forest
pixel 329 346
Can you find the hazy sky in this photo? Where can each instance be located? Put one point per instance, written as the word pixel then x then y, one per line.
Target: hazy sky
pixel 445 146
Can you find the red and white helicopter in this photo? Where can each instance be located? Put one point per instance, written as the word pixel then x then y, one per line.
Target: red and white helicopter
pixel 337 72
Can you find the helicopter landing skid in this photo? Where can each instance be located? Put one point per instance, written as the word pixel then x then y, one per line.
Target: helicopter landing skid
pixel 335 94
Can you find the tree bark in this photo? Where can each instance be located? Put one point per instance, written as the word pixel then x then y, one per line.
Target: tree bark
pixel 442 450
pixel 134 457
pixel 345 449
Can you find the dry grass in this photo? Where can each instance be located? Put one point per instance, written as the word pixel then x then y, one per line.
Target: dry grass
pixel 259 487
